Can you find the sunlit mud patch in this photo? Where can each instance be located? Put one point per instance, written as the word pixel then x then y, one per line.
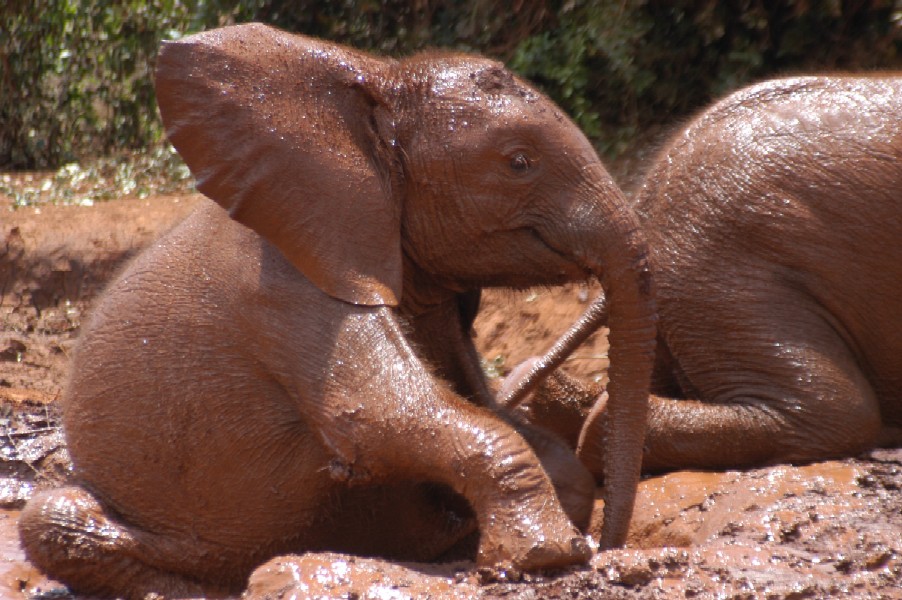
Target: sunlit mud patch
pixel 831 529
pixel 688 508
pixel 328 575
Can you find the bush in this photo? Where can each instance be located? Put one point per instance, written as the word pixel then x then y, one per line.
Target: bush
pixel 76 74
pixel 620 67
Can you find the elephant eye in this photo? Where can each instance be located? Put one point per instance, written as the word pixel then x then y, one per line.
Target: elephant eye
pixel 520 163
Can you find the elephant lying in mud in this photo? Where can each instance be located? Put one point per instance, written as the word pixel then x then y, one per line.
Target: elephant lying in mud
pixel 301 376
pixel 775 226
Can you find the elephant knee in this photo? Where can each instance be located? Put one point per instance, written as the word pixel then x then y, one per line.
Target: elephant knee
pixel 65 534
pixel 860 428
pixel 833 428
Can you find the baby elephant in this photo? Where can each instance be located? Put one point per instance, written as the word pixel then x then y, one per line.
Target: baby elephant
pixel 301 376
pixel 775 226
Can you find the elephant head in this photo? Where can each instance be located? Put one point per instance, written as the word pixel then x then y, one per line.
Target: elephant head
pixel 368 173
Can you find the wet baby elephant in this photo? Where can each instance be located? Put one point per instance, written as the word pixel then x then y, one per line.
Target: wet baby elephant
pixel 300 376
pixel 775 227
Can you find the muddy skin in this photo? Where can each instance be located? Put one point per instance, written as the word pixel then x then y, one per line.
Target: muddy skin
pixel 307 361
pixel 774 222
pixel 827 530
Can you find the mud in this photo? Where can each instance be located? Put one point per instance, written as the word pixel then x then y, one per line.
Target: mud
pixel 830 529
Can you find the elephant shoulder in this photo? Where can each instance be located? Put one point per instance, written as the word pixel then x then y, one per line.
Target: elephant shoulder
pixel 241 262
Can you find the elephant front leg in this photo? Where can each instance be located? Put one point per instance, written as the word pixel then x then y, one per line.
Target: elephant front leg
pixel 442 338
pixel 384 418
pixel 764 409
pixel 772 421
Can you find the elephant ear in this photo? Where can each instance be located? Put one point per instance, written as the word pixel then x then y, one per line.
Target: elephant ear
pixel 279 129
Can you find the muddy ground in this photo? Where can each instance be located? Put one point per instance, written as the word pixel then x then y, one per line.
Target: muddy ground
pixel 831 529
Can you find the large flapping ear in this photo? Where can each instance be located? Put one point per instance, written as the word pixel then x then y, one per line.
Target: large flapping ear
pixel 279 130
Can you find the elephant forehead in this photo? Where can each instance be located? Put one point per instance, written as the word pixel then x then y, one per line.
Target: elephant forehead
pixel 468 80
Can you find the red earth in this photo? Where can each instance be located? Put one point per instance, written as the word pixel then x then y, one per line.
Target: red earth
pixel 830 529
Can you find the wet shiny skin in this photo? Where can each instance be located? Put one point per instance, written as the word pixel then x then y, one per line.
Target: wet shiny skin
pixel 302 377
pixel 776 219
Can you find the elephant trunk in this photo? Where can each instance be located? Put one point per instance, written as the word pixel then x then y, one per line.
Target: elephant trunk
pixel 612 438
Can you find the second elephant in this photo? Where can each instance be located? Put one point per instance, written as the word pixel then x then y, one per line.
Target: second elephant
pixel 775 226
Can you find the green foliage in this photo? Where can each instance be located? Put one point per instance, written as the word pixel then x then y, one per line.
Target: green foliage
pixel 75 75
pixel 156 170
pixel 621 67
pixel 494 368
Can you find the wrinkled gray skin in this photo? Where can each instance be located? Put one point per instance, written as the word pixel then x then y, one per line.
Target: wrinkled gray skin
pixel 775 226
pixel 301 376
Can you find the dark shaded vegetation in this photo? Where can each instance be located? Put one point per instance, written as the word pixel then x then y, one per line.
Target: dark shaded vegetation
pixel 75 75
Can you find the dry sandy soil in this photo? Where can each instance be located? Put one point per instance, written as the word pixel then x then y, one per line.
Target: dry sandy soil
pixel 831 529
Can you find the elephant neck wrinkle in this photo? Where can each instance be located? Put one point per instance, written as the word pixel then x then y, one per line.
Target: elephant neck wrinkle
pixel 421 293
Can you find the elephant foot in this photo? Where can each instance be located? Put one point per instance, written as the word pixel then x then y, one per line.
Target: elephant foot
pixel 67 534
pixel 524 537
pixel 542 546
pixel 561 405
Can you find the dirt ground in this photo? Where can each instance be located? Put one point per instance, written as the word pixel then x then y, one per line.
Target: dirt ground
pixel 831 529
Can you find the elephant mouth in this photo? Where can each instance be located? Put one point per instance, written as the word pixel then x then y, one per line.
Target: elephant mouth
pixel 579 268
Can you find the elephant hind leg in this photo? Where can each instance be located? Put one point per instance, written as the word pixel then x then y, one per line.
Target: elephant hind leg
pixel 799 397
pixel 67 534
